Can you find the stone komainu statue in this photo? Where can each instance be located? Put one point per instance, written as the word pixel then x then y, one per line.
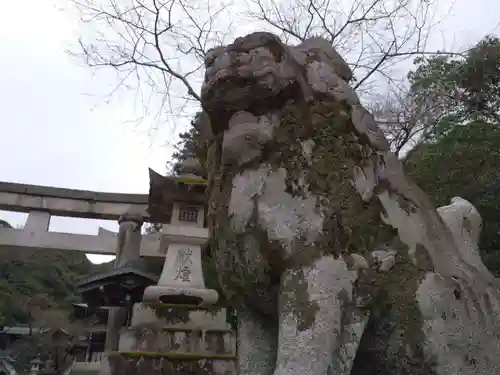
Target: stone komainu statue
pixel 337 262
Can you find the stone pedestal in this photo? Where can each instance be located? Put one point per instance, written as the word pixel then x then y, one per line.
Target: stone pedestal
pixel 167 364
pixel 181 281
pixel 175 339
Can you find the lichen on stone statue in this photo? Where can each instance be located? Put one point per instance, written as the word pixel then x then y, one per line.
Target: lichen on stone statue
pixel 317 233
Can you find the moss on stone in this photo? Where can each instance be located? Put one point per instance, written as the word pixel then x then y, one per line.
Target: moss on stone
pixel 139 332
pixel 216 331
pixel 171 355
pixel 351 225
pixel 296 299
pixel 141 329
pixel 251 274
pixel 251 277
pixel 180 313
pixel 393 340
pixel 171 313
pixel 247 265
pixel 190 181
pixel 152 363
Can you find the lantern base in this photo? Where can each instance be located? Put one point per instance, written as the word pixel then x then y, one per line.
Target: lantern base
pixel 180 295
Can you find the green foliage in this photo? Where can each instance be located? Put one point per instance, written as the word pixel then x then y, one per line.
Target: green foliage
pixel 458 90
pixel 25 275
pixel 459 155
pixel 465 162
pixel 37 289
pixel 186 147
pixel 480 75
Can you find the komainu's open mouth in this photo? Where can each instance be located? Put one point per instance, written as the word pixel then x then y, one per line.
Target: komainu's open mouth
pixel 246 75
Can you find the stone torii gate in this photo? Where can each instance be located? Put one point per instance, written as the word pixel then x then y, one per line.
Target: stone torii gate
pixel 42 202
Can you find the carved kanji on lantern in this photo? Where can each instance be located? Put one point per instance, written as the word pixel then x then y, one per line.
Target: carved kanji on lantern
pixel 182 276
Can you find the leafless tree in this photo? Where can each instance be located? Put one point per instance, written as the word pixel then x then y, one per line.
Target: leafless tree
pixel 400 119
pixel 373 35
pixel 157 46
pixel 406 119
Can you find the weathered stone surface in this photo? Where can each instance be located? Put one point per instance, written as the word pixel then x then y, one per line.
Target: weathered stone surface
pixel 257 343
pixel 170 364
pixel 179 316
pixel 174 339
pixel 153 339
pixel 181 280
pixel 191 167
pixel 317 231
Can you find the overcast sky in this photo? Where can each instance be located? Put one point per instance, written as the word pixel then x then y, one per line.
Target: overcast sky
pixel 56 128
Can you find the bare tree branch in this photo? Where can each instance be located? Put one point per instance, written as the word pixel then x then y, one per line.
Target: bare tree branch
pixel 373 35
pixel 404 121
pixel 157 47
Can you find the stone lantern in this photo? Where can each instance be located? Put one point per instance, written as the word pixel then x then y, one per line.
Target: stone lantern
pixel 36 366
pixel 181 281
pixel 178 328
